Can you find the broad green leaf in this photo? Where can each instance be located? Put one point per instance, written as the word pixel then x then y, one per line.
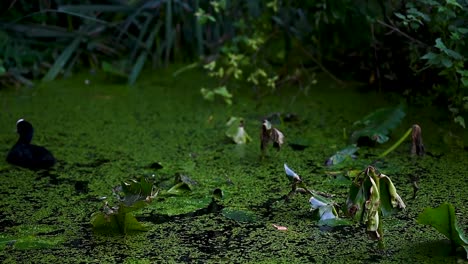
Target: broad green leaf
pixel 429 56
pixel 390 201
pixel 355 201
pixel 224 93
pixel 115 223
pixel 221 91
pixel 378 124
pixel 440 45
pixel 444 220
pixel 400 16
pixel 133 195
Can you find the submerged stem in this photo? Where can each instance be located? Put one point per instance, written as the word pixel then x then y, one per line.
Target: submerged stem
pixel 398 143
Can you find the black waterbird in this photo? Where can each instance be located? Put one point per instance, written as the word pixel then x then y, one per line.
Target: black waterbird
pixel 27 155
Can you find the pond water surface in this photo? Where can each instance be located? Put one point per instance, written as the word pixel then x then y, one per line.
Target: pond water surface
pixel 103 133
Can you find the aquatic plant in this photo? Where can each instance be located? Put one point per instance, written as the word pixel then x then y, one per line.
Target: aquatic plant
pixel 377 125
pixel 236 130
pixel 323 208
pixel 270 134
pixel 131 195
pixel 417 146
pixel 372 196
pixel 444 220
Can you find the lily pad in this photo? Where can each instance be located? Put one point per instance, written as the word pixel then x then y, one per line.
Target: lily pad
pixel 444 220
pixel 377 125
pixel 132 195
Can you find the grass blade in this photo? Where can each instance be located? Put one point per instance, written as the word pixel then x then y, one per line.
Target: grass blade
pixel 62 60
pixel 198 32
pixel 168 30
pixel 96 8
pixel 138 66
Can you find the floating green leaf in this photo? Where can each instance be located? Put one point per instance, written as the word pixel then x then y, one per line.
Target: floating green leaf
pixel 377 125
pixel 345 154
pixel 132 195
pixel 443 219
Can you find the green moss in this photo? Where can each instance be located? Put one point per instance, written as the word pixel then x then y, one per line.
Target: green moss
pixel 104 133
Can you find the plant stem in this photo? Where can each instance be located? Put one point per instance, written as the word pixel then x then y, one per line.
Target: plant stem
pixel 398 143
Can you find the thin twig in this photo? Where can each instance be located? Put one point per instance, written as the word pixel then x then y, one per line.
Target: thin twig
pixel 376 58
pixel 320 65
pixel 394 28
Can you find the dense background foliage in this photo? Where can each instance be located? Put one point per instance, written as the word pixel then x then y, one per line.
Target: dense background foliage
pixel 412 47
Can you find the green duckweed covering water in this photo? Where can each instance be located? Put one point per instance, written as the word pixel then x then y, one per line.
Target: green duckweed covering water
pixel 103 133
